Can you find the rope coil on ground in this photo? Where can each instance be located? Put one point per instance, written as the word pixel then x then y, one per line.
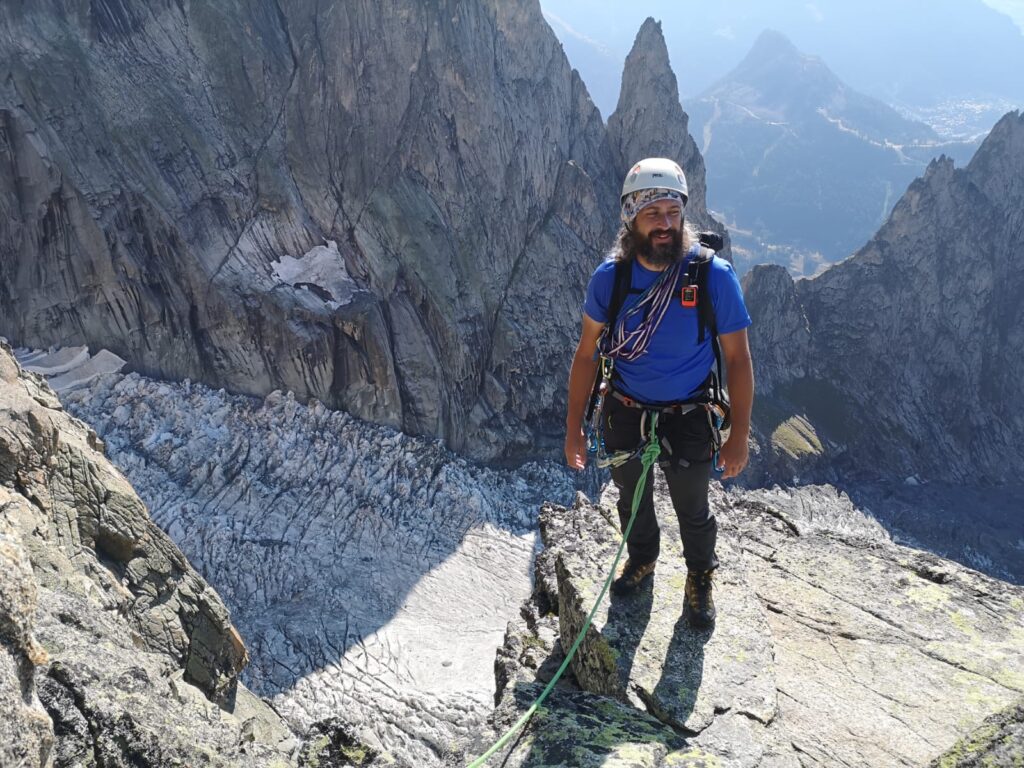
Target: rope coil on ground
pixel 647 459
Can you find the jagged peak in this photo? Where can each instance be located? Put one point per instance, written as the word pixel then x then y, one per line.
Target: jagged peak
pixel 650 32
pixel 775 57
pixel 997 168
pixel 1006 139
pixel 939 165
pixel 1011 121
pixel 774 48
pixel 647 66
pixel 770 274
pixel 773 43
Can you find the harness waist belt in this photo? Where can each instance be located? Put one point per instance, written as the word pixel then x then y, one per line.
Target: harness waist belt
pixel 679 408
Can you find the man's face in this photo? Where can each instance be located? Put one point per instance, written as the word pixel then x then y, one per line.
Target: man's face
pixel 659 232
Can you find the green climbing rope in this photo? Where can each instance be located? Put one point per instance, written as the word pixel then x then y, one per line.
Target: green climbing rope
pixel 647 458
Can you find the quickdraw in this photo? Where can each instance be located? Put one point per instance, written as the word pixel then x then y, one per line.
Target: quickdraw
pixel 595 425
pixel 719 432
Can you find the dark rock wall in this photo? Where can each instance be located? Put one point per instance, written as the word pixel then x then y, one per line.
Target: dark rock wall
pixel 163 158
pixel 908 357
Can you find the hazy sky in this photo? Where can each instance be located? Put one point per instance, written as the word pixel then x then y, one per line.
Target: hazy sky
pixel 909 62
pixel 1012 8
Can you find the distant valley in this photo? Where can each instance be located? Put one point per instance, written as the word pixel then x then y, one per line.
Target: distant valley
pixel 801 167
pixel 808 143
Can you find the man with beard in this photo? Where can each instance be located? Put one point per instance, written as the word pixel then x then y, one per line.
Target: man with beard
pixel 660 366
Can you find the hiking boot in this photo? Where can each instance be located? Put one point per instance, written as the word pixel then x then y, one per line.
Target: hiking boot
pixel 698 605
pixel 633 575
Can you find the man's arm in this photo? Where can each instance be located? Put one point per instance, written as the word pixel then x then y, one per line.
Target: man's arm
pixel 581 382
pixel 740 376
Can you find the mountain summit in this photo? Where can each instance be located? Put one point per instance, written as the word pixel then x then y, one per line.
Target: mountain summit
pixel 775 79
pixel 799 159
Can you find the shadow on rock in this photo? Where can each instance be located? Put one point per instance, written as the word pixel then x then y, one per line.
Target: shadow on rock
pixel 625 627
pixel 675 694
pixel 586 730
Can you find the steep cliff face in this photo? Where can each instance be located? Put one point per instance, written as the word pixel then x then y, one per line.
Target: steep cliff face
pixel 103 618
pixel 649 121
pixel 908 357
pixel 392 209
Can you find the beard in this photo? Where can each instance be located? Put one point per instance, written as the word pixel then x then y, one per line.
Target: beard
pixel 661 254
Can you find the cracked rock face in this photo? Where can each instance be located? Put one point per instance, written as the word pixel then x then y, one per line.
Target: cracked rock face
pixel 833 646
pixel 124 625
pixel 391 209
pixel 82 501
pixel 640 649
pixel 26 733
pixel 908 357
pixel 997 741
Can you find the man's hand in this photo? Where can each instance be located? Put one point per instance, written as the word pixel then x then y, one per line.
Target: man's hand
pixel 576 449
pixel 733 455
pixel 740 373
pixel 581 382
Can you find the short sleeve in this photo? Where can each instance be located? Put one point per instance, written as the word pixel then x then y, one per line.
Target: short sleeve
pixel 599 292
pixel 727 296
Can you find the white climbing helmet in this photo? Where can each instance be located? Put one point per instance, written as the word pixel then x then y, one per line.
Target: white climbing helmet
pixel 651 180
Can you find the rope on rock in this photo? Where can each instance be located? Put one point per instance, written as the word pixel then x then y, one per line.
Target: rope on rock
pixel 647 458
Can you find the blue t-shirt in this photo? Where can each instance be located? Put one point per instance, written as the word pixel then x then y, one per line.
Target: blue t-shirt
pixel 675 365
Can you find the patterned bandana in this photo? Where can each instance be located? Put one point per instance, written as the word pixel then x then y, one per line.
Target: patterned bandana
pixel 635 201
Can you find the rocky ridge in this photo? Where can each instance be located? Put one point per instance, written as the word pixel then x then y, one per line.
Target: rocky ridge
pixel 833 646
pixel 391 210
pixel 121 623
pixel 905 359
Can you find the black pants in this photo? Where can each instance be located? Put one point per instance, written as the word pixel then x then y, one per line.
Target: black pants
pixel 686 464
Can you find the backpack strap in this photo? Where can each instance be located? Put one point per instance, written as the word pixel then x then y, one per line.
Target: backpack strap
pixel 698 273
pixel 620 289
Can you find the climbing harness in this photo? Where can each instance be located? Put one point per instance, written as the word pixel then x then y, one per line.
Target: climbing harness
pixel 649 455
pixel 618 343
pixel 718 420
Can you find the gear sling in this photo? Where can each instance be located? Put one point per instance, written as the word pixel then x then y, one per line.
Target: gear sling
pixel 713 399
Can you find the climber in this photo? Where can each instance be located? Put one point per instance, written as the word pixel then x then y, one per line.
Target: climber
pixel 656 333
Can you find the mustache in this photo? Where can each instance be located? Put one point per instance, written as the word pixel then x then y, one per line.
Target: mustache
pixel 665 232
